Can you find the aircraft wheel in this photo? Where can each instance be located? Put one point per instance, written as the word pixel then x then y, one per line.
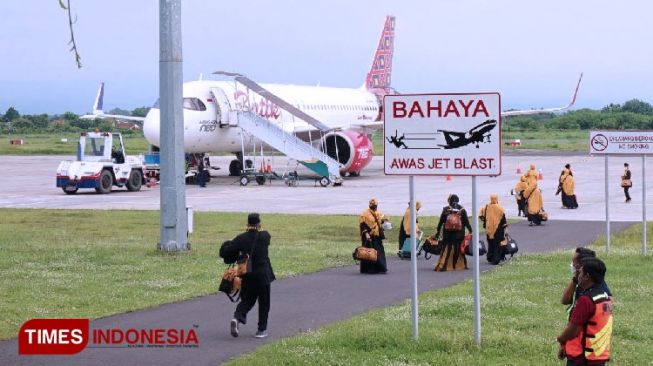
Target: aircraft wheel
pixel 69 191
pixel 354 174
pixel 324 181
pixel 244 180
pixel 260 180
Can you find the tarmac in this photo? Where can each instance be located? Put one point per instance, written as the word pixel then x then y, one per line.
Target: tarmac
pixel 299 304
pixel 29 182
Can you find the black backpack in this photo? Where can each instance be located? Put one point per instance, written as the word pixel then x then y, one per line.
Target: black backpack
pixel 228 252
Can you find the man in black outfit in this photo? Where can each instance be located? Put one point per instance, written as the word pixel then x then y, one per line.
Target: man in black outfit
pixel 255 285
pixel 626 182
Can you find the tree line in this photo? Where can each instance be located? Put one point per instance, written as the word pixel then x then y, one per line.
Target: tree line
pixel 13 122
pixel 633 114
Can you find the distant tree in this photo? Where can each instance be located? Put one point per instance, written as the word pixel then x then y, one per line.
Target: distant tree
pixel 70 116
pixel 140 111
pixel 637 106
pixel 119 111
pixel 22 123
pixel 39 121
pixel 11 114
pixel 611 108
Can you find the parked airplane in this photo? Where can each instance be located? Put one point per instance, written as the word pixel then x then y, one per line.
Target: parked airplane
pixel 477 135
pixel 339 120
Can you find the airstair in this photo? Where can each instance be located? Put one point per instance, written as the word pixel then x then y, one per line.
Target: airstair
pixel 274 135
pixel 289 144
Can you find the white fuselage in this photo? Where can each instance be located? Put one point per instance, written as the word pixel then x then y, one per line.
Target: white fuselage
pixel 206 125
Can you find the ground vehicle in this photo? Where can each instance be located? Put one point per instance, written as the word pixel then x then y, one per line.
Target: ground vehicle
pixel 101 163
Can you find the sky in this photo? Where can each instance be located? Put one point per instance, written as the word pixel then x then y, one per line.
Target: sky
pixel 530 52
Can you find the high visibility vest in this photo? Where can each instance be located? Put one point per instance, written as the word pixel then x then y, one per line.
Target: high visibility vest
pixel 593 341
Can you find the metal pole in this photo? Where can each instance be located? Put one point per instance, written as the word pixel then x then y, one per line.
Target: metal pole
pixel 413 255
pixel 607 207
pixel 173 221
pixel 643 204
pixel 477 271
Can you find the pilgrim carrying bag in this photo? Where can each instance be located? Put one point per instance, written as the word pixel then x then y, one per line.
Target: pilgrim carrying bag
pixel 230 283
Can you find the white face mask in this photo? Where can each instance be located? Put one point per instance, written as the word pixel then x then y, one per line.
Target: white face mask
pixel 573 269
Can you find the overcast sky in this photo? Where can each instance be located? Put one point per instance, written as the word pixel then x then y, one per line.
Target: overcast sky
pixel 530 52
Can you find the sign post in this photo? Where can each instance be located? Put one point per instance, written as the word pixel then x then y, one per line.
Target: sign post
pixel 622 143
pixel 441 135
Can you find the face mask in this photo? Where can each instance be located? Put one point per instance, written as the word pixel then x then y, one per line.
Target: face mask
pixel 373 207
pixel 573 269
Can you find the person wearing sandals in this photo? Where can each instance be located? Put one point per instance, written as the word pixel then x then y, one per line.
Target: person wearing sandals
pixel 255 285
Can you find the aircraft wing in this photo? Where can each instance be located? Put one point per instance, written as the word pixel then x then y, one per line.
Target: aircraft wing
pixel 255 87
pixel 545 110
pixel 116 116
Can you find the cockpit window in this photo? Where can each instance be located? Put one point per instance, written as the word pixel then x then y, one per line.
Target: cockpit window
pixel 194 104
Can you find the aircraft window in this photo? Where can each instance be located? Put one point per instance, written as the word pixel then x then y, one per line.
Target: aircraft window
pixel 194 104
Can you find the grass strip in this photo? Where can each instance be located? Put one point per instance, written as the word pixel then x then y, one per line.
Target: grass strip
pixel 521 317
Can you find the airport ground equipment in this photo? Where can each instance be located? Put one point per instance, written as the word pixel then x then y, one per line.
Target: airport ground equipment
pixel 101 164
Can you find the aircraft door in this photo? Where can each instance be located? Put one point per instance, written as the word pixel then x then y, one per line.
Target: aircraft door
pixel 222 106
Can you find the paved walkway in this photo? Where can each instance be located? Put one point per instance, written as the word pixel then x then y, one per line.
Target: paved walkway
pixel 298 304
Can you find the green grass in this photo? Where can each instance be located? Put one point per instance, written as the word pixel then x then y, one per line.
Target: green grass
pixel 521 317
pixel 85 263
pixel 50 144
pixel 558 140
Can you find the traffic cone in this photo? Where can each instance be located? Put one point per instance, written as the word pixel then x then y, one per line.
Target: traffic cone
pixel 540 176
pixel 268 168
pixel 448 177
pixel 518 170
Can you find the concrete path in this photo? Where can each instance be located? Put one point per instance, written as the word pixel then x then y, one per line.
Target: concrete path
pixel 298 304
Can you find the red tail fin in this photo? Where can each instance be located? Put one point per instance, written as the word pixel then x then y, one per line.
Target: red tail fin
pixel 381 70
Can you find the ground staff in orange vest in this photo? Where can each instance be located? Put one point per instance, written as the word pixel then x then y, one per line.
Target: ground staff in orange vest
pixel 586 339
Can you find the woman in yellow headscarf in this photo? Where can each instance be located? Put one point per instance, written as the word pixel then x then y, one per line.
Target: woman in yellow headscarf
pixel 518 192
pixel 531 176
pixel 535 207
pixel 567 186
pixel 369 223
pixel 493 217
pixel 404 228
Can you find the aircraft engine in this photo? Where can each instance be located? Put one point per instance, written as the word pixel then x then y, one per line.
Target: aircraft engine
pixel 353 149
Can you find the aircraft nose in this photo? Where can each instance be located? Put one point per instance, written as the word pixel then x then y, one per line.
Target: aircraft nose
pixel 151 126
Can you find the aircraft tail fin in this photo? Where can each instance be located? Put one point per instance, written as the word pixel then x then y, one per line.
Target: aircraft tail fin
pixel 99 100
pixel 379 76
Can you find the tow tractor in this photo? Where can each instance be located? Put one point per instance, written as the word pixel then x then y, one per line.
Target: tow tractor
pixel 101 164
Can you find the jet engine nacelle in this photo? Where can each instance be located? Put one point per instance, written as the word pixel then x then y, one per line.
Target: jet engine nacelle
pixel 353 149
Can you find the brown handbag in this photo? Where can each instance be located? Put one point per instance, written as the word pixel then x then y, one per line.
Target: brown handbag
pixel 230 283
pixel 365 254
pixel 626 183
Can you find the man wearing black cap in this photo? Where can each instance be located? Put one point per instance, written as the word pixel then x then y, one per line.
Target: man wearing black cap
pixel 255 285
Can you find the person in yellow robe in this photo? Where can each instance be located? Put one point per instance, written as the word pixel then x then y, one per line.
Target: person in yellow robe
pixel 404 229
pixel 493 217
pixel 518 192
pixel 531 176
pixel 535 207
pixel 372 236
pixel 567 185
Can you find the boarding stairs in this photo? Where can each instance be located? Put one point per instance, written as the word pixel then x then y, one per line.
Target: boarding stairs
pixel 289 144
pixel 274 135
